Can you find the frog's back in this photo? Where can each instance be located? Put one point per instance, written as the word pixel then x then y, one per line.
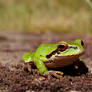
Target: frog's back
pixel 45 49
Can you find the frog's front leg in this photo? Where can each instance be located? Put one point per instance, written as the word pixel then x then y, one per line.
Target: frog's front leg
pixel 40 65
pixel 42 69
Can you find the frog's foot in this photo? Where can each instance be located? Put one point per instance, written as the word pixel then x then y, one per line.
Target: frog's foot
pixel 56 74
pixel 27 67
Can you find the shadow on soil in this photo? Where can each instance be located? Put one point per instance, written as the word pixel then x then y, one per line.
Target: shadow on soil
pixel 75 69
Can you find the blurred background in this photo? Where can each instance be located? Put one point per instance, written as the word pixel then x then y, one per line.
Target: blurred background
pixel 44 15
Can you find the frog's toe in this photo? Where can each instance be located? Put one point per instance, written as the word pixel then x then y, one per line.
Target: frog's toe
pixel 56 74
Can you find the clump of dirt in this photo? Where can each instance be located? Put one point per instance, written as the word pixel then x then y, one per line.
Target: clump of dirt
pixel 14 77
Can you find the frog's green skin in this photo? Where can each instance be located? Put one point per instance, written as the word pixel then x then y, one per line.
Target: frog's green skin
pixel 58 59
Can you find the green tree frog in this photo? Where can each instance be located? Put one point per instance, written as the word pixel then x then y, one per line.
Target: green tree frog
pixel 55 55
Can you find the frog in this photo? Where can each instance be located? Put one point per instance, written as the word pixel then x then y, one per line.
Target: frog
pixel 50 56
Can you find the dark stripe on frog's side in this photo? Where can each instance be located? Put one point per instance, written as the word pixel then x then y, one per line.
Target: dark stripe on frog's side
pixel 58 50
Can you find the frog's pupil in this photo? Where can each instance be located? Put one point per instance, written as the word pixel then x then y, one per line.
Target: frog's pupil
pixel 61 46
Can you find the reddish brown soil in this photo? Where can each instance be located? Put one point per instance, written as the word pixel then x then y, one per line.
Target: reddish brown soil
pixel 15 78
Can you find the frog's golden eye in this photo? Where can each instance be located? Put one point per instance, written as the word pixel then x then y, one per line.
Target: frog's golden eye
pixel 82 43
pixel 62 46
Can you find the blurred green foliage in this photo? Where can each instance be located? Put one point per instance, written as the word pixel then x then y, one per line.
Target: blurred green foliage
pixel 57 15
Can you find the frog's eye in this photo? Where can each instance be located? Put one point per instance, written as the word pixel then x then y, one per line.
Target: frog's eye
pixel 82 43
pixel 62 46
